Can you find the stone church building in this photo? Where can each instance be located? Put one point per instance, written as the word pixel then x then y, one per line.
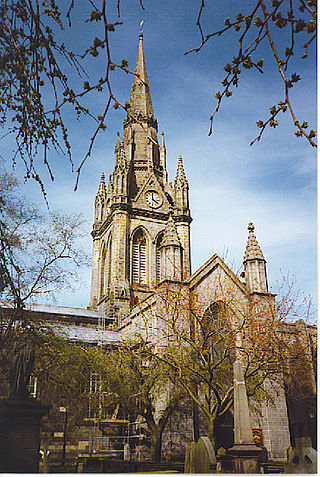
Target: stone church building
pixel 141 249
pixel 141 244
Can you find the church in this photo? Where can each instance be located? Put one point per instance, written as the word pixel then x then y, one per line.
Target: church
pixel 141 252
pixel 141 244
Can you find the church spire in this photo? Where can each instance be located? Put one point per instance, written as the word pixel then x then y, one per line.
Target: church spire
pixel 140 98
pixel 254 264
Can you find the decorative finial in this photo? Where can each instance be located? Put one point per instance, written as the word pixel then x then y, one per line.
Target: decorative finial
pixel 102 176
pixel 251 227
pixel 253 250
pixel 141 29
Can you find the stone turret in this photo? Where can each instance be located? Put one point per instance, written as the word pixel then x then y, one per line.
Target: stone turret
pixel 182 215
pixel 254 265
pixel 171 252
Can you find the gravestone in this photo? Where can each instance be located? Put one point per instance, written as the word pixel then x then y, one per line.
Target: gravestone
pixel 189 459
pixel 126 452
pixel 302 459
pixel 200 457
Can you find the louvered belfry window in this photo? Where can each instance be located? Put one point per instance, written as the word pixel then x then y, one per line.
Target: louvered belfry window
pixel 158 265
pixel 139 258
pixel 158 258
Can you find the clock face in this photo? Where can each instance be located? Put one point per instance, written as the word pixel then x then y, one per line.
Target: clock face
pixel 153 198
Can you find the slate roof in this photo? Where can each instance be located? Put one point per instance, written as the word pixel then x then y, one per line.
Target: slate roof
pixel 89 334
pixel 63 310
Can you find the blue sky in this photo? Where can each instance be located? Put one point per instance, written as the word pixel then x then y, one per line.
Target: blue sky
pixel 272 183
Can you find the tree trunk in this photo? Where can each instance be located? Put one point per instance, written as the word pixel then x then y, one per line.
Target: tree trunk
pixel 210 433
pixel 156 443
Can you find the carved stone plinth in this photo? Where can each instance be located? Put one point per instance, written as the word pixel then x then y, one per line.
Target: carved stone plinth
pixel 20 434
pixel 245 458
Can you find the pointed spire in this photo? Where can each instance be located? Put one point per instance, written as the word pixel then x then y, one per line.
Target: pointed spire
pixel 102 186
pixel 170 235
pixel 120 156
pixel 140 98
pixel 253 250
pixel 110 186
pixel 162 141
pixel 163 158
pixel 180 175
pixel 255 265
pixel 118 142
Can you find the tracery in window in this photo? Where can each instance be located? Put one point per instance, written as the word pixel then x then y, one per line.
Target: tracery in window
pixel 213 320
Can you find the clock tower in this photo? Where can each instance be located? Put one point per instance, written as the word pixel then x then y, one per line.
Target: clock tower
pixel 141 230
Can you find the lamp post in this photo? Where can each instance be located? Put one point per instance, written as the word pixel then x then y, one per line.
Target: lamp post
pixel 63 457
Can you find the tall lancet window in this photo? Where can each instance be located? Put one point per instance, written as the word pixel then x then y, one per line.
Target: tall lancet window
pixel 105 267
pixel 158 257
pixel 108 263
pixel 102 270
pixel 139 258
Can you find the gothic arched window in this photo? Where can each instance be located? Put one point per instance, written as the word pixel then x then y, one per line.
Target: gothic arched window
pixel 139 258
pixel 158 257
pixel 215 331
pixel 214 316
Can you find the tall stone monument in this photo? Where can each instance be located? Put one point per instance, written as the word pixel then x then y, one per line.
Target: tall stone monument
pixel 20 417
pixel 244 452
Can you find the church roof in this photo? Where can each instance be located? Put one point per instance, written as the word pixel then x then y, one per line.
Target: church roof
pixel 170 235
pixel 140 98
pixel 88 334
pixel 253 250
pixel 207 268
pixel 60 318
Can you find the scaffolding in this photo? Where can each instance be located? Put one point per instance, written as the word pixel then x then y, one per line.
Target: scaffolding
pixel 116 444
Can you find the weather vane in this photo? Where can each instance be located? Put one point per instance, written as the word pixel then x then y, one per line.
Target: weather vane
pixel 141 28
